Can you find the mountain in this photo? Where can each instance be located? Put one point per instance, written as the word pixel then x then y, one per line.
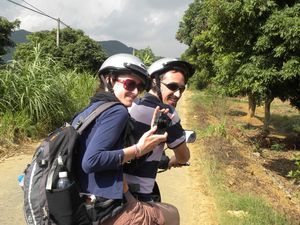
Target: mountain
pixel 18 36
pixel 110 47
pixel 114 47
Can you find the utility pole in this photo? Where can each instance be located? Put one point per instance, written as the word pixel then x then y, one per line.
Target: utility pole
pixel 57 32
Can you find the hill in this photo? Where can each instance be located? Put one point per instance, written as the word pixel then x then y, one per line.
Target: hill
pixel 18 36
pixel 114 47
pixel 111 47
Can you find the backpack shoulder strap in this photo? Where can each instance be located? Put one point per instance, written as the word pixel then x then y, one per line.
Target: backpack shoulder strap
pixel 90 118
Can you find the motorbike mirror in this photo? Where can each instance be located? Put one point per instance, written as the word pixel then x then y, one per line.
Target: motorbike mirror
pixel 190 136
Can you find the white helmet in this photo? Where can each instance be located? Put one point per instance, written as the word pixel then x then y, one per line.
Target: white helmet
pixel 125 63
pixel 165 64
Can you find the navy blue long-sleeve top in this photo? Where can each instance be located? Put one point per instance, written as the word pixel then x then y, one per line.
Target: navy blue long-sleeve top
pixel 99 167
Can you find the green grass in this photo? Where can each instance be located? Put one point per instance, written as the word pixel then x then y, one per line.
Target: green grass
pixel 253 210
pixel 214 130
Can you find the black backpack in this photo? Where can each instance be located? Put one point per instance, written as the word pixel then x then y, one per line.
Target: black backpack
pixel 43 204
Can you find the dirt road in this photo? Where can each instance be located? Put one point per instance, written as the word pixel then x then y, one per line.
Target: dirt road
pixel 186 188
pixel 11 195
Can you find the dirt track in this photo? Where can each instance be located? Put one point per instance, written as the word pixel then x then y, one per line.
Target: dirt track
pixel 186 188
pixel 11 195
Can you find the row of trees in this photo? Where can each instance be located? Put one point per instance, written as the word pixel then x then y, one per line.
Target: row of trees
pixel 249 48
pixel 76 50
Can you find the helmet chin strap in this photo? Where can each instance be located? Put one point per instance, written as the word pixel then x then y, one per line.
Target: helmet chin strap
pixel 158 91
pixel 108 84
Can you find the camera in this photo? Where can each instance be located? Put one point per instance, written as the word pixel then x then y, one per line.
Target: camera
pixel 162 121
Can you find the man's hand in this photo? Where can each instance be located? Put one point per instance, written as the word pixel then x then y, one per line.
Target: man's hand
pixel 174 163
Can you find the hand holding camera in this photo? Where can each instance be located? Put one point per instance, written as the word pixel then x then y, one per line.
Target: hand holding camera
pixel 156 134
pixel 162 121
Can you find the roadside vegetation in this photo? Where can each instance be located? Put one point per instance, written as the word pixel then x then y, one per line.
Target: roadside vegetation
pixel 225 162
pixel 45 84
pixel 37 96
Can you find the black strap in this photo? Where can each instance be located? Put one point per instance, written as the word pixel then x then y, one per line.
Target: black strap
pixel 80 128
pixel 158 90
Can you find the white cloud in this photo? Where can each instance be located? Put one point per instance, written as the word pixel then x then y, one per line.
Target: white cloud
pixel 136 23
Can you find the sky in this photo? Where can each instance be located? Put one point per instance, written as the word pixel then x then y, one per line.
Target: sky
pixel 136 23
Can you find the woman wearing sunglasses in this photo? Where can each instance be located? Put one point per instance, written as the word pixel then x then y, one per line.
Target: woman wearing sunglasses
pixel 169 77
pixel 106 146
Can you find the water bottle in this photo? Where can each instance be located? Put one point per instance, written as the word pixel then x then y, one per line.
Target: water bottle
pixel 63 181
pixel 21 180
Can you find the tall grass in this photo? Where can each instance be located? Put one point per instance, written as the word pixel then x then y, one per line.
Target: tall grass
pixel 43 93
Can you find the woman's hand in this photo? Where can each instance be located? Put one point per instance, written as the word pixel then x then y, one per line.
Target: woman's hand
pixel 147 142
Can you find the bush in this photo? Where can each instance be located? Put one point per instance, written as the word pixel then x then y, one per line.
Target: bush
pixel 199 80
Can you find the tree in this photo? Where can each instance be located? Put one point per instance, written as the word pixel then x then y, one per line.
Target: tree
pixel 146 55
pixel 193 31
pixel 192 24
pixel 75 51
pixel 6 28
pixel 247 47
pixel 277 56
pixel 235 28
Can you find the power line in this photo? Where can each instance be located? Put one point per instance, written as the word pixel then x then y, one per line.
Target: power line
pixel 35 7
pixel 36 10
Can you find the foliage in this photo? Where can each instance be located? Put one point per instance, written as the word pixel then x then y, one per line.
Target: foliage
pixel 43 92
pixel 199 80
pixel 295 174
pixel 192 24
pixel 146 55
pixel 75 51
pixel 277 146
pixel 15 127
pixel 6 28
pixel 193 31
pixel 279 49
pixel 246 47
pixel 218 130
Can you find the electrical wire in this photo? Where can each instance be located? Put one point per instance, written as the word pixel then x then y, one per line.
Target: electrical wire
pixel 36 10
pixel 34 7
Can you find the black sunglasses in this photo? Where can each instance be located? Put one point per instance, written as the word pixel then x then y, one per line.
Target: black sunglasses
pixel 131 85
pixel 174 87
